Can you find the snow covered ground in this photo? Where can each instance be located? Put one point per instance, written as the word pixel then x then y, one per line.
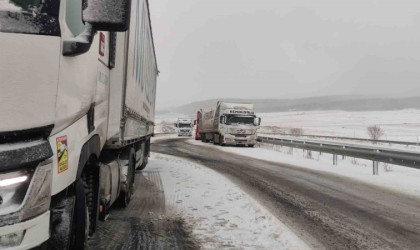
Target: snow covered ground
pixel 220 213
pixel 401 125
pixel 396 178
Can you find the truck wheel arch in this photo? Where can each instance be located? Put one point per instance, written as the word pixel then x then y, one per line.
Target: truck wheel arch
pixel 91 148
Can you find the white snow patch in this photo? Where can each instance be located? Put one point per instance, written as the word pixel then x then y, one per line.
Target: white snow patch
pixel 221 214
pixel 6 5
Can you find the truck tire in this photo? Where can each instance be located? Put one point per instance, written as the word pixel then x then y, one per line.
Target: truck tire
pixel 251 145
pixel 144 164
pixel 125 196
pixel 221 141
pixel 216 140
pixel 70 221
pixel 91 182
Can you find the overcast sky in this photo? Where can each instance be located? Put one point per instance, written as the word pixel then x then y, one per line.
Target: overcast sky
pixel 285 49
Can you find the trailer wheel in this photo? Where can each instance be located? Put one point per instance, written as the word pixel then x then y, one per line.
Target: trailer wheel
pixel 125 196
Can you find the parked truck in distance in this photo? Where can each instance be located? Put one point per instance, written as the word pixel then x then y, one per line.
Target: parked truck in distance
pixel 228 123
pixel 184 126
pixel 77 108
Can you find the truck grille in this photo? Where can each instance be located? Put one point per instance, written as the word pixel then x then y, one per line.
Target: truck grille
pixel 33 134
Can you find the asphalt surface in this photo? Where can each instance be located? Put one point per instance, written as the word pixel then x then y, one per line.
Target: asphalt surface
pixel 325 210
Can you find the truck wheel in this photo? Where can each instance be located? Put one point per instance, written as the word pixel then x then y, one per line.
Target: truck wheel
pixel 91 182
pixel 143 165
pixel 125 196
pixel 62 224
pixel 251 145
pixel 221 141
pixel 70 221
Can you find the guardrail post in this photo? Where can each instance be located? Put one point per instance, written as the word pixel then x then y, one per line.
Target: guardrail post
pixel 375 168
pixel 335 159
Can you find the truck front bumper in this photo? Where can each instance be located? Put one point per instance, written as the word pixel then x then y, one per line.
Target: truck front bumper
pixel 185 134
pixel 229 139
pixel 27 234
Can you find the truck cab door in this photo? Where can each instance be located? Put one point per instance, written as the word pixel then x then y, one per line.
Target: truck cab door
pixel 104 52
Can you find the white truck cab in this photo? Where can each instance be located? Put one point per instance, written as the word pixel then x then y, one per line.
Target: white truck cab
pixel 77 98
pixel 229 123
pixel 184 126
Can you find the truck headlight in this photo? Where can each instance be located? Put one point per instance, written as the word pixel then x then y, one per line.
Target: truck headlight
pixel 24 194
pixel 13 188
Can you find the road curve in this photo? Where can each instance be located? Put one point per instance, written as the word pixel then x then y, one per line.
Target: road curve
pixel 325 210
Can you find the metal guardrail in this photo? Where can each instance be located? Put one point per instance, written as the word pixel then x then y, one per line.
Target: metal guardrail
pixel 376 154
pixel 357 139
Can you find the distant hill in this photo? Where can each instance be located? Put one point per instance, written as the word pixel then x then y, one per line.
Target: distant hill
pixel 345 103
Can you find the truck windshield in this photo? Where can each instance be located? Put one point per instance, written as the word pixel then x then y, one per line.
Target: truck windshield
pixel 232 120
pixel 184 125
pixel 38 17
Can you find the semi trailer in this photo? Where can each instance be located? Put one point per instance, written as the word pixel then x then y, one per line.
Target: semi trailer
pixel 184 126
pixel 77 106
pixel 228 123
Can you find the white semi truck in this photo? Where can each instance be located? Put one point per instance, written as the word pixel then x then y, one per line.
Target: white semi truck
pixel 77 107
pixel 228 123
pixel 184 126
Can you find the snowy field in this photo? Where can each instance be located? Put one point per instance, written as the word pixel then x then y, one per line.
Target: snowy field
pixel 398 125
pixel 220 213
pixel 392 177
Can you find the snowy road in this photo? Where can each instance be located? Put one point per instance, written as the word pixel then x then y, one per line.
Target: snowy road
pixel 180 204
pixel 326 210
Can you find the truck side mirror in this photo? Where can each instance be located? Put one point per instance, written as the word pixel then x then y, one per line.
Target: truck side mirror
pixel 257 121
pixel 107 15
pixel 195 122
pixel 175 125
pixel 222 119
